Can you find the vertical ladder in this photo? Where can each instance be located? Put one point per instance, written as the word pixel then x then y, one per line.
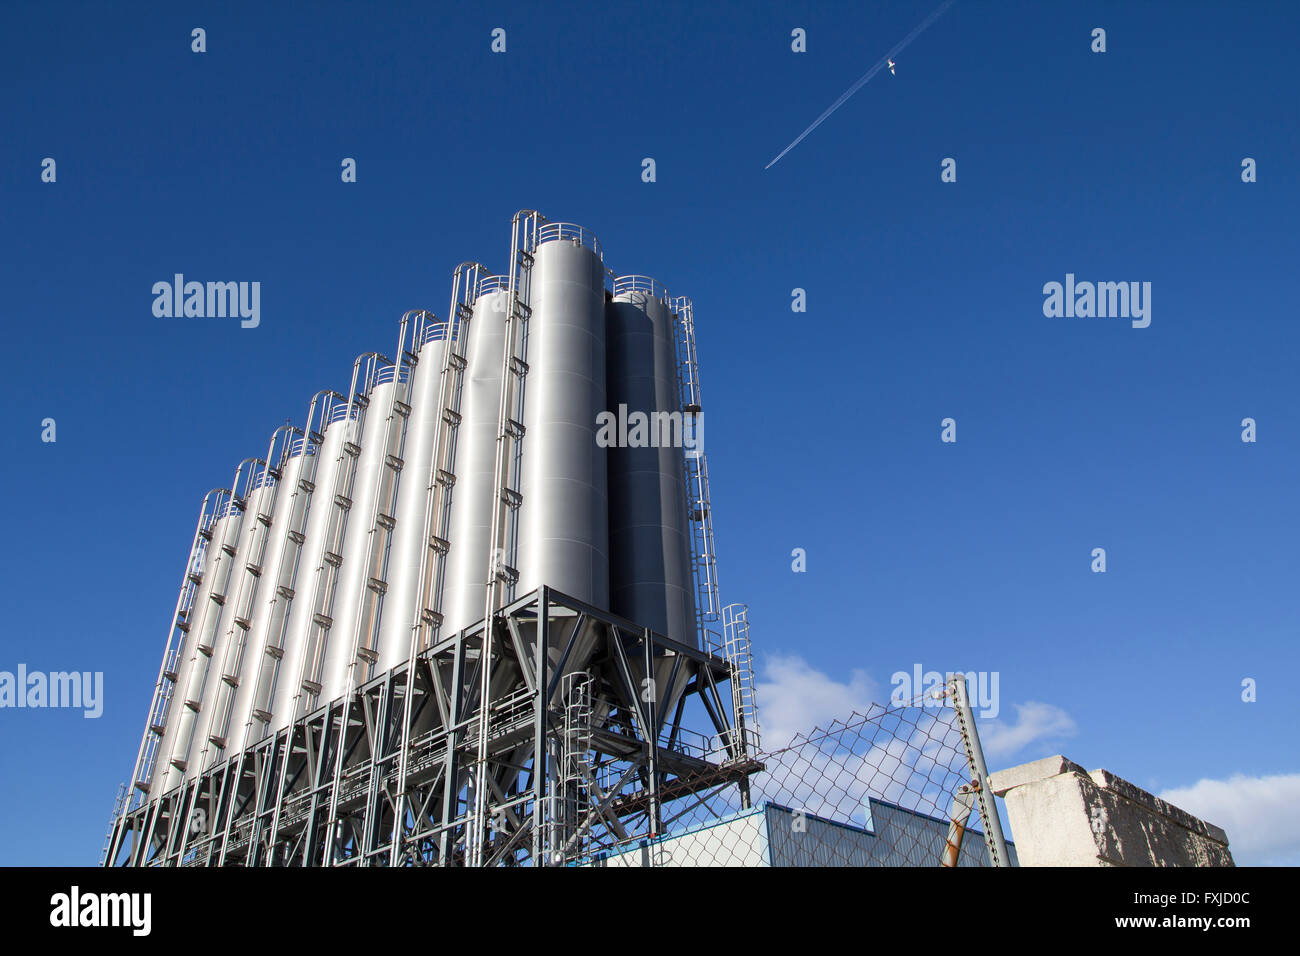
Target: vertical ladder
pixel 506 500
pixel 738 652
pixel 307 680
pixel 704 565
pixel 265 475
pixel 119 806
pixel 165 687
pixel 439 482
pixel 325 582
pixel 285 574
pixel 575 762
pixel 379 524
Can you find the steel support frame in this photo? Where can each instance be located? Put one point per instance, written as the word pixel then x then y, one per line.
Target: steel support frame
pixel 325 791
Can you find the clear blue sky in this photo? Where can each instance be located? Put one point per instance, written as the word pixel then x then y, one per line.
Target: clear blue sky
pixel 924 302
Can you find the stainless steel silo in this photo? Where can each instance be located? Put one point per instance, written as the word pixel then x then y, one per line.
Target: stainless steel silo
pixel 311 565
pixel 179 717
pixel 471 500
pixel 323 568
pixel 213 725
pixel 205 678
pixel 380 439
pixel 564 516
pixel 244 727
pixel 188 694
pixel 400 613
pixel 650 566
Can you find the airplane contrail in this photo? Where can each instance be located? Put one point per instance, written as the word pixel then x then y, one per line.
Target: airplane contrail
pixel 866 77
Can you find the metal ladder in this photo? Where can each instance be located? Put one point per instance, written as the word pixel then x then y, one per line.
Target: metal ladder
pixel 164 689
pixel 575 762
pixel 505 501
pixel 704 565
pixel 738 652
pixel 379 523
pixel 439 482
pixel 119 806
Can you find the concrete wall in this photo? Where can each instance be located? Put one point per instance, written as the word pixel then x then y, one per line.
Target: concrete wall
pixel 1062 815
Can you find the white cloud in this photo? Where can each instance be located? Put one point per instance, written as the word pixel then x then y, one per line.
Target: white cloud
pixel 1258 814
pixel 795 698
pixel 1036 723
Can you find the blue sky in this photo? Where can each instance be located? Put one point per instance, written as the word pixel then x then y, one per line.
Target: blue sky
pixel 924 302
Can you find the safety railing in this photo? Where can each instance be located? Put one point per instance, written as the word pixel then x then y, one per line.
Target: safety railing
pixel 647 284
pixel 552 231
pixel 301 446
pixel 388 373
pixel 490 284
pixel 342 410
pixel 436 330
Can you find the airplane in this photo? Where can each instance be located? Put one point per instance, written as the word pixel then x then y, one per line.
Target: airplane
pixel 891 68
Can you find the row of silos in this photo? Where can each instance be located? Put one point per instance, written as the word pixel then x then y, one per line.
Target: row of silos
pixel 310 582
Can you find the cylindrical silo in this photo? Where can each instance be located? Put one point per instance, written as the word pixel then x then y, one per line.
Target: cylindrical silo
pixel 244 727
pixel 400 610
pixel 213 725
pixel 188 694
pixel 161 779
pixel 381 432
pixel 649 534
pixel 476 446
pixel 206 679
pixel 564 519
pixel 311 562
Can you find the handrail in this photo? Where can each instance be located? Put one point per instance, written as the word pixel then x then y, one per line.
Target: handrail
pixel 490 284
pixel 437 331
pixel 552 231
pixel 341 410
pixel 638 283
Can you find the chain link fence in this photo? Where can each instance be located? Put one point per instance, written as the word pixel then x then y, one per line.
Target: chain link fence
pixel 893 786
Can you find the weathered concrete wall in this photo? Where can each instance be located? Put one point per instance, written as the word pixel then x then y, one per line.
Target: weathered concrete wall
pixel 1062 815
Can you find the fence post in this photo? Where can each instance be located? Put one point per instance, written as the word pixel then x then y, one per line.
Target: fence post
pixel 993 839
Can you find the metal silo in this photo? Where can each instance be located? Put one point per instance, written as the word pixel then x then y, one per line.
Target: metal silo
pixel 237 616
pixel 355 605
pixel 205 630
pixel 201 575
pixel 205 678
pixel 650 547
pixel 432 339
pixel 564 519
pixel 277 665
pixel 314 560
pixel 471 500
pixel 450 484
pixel 243 727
